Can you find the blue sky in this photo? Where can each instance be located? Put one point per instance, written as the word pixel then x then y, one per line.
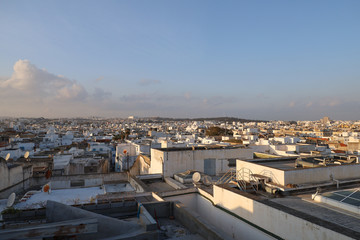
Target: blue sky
pixel 290 60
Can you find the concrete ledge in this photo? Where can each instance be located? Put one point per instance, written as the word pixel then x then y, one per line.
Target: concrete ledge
pixel 18 187
pixel 107 227
pixel 26 214
pixel 206 195
pixel 341 205
pixel 175 184
pixel 149 176
pixel 125 208
pixel 157 197
pixel 138 185
pixel 146 220
pixel 177 192
pixel 163 209
pixel 57 229
pixel 195 223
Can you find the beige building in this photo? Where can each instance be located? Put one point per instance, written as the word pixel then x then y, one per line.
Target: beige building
pixel 214 160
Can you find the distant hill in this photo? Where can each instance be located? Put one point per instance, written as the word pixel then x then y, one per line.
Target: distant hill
pixel 216 119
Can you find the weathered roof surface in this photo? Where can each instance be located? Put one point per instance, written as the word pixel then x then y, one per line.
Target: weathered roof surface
pixel 107 227
pixel 302 206
pixel 60 161
pixel 67 196
pixel 336 219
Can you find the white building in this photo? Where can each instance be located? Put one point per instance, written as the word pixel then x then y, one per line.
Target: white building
pixel 125 156
pixel 212 161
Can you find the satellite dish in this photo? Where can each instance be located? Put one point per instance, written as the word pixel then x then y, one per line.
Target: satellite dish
pixel 196 177
pixel 11 200
pixel 207 180
pixel 7 157
pixel 46 188
pixel 26 155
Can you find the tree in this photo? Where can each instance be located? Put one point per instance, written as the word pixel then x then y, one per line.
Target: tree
pixel 120 136
pixel 217 131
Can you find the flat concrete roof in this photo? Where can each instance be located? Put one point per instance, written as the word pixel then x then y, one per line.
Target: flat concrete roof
pixel 210 147
pixel 302 206
pixel 288 163
pixel 71 196
pixel 284 164
pixel 335 218
pixel 158 185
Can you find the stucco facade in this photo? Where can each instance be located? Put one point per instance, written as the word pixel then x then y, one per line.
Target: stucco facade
pixel 12 175
pixel 212 161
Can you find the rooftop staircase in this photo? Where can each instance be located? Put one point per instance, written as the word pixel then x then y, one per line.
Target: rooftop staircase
pixel 244 179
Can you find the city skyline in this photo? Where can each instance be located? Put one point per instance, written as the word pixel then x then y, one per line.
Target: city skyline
pixel 252 60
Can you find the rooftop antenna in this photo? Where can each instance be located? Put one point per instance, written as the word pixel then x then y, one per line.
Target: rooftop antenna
pixel 11 200
pixel 7 157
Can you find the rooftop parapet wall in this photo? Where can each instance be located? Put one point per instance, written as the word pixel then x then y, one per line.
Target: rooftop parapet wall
pixel 283 171
pixel 322 174
pixel 11 175
pixel 273 219
pixel 276 175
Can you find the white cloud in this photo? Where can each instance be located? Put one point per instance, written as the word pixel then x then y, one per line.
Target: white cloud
pixel 31 91
pixel 30 80
pixel 100 94
pixel 74 91
pixel 330 102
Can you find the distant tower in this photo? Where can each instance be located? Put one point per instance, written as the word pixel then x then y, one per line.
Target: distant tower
pixel 325 120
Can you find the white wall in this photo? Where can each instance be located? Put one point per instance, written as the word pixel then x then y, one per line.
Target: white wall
pixel 14 175
pixel 322 174
pixel 144 167
pixel 302 175
pixel 121 158
pixel 183 160
pixel 233 227
pixel 280 223
pixel 276 175
pixel 260 148
pixel 156 164
pixel 281 150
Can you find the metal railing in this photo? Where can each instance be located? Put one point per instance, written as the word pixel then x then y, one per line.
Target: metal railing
pixel 246 175
pixel 243 177
pixel 228 176
pixel 241 184
pixel 270 175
